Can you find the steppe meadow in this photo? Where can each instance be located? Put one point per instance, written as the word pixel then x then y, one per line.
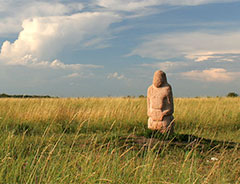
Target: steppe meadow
pixel 106 140
pixel 77 80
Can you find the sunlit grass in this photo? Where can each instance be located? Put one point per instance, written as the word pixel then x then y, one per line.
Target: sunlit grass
pixel 87 140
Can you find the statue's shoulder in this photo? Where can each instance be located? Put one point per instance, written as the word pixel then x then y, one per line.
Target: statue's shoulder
pixel 169 88
pixel 150 88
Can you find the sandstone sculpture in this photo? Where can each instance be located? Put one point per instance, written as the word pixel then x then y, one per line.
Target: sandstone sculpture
pixel 160 104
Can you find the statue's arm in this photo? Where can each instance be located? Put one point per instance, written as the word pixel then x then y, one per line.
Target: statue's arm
pixel 170 110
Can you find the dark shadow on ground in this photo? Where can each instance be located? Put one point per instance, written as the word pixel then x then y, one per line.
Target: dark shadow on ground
pixel 154 139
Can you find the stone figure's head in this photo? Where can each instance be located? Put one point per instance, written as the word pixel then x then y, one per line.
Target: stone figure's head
pixel 159 78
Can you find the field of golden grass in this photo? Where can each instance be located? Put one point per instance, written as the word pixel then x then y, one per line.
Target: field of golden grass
pixel 106 140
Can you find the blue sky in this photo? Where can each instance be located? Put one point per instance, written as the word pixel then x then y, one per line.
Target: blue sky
pixel 112 47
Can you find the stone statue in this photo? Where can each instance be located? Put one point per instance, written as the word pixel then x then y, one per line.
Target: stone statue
pixel 160 104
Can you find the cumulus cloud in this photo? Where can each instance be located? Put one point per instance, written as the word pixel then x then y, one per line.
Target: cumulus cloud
pixel 198 46
pixel 211 75
pixel 115 75
pixel 14 12
pixel 44 37
pixel 31 62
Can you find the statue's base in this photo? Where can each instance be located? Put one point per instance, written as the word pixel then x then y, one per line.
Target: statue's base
pixel 165 126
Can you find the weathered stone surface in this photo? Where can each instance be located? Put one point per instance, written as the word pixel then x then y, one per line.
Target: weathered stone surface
pixel 160 104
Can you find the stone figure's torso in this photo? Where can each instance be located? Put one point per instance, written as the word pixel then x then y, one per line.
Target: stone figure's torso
pixel 159 98
pixel 159 101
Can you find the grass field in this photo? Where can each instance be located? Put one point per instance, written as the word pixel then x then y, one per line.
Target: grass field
pixel 106 140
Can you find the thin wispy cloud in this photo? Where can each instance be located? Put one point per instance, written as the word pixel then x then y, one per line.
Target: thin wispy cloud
pixel 141 8
pixel 212 75
pixel 78 75
pixel 135 5
pixel 165 66
pixel 197 46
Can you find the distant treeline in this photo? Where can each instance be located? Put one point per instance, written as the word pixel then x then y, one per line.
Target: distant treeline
pixel 3 95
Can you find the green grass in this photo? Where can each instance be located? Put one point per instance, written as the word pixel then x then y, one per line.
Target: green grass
pixel 106 140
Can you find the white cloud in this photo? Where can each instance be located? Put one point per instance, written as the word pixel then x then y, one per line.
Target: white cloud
pixel 30 61
pixel 212 75
pixel 165 66
pixel 139 8
pixel 116 75
pixel 14 12
pixel 58 64
pixel 136 5
pixel 9 26
pixel 196 2
pixel 127 5
pixel 45 37
pixel 198 46
pixel 73 75
pixel 205 58
pixel 79 75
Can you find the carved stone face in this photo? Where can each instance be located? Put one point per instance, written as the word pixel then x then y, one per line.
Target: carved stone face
pixel 159 78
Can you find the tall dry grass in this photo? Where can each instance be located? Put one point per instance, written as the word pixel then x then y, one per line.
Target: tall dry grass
pixel 94 140
pixel 208 117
